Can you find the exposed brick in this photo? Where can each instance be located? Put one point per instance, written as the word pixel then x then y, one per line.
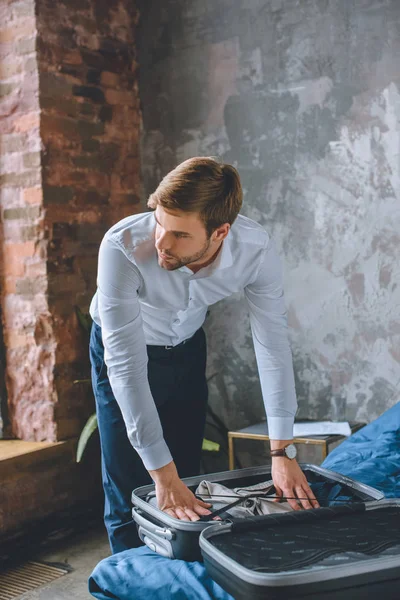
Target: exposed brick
pixel 36 269
pixel 18 251
pixel 27 122
pixel 28 213
pixel 33 195
pixel 69 106
pixel 93 76
pixel 31 286
pixel 87 130
pixel 110 46
pixel 8 88
pixel 91 197
pixel 10 68
pixel 86 233
pixel 123 97
pixel 109 79
pixel 90 145
pixel 26 46
pixel 31 159
pixel 8 286
pixel 24 9
pixel 93 93
pixel 93 59
pixel 76 5
pixel 72 71
pixel 64 283
pixel 14 257
pixel 8 107
pixel 57 194
pixel 73 57
pixel 88 184
pixel 25 233
pixel 28 178
pixel 13 143
pixel 54 85
pixel 14 339
pixel 86 23
pixel 10 197
pixel 75 128
pixel 22 30
pixel 11 163
pixel 124 199
pixel 105 114
pixel 98 162
pixel 66 35
pixel 61 265
pixel 86 109
pixel 30 64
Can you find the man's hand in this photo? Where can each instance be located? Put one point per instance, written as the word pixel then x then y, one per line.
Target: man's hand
pixel 174 498
pixel 290 482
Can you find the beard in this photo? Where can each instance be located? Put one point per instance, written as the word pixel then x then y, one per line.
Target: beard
pixel 176 262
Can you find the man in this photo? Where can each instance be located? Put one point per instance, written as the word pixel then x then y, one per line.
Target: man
pixel 158 273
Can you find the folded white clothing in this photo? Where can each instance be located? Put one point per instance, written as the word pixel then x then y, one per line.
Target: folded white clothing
pixel 220 496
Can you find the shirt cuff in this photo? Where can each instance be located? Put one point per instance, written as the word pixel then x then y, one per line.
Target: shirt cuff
pixel 155 456
pixel 280 428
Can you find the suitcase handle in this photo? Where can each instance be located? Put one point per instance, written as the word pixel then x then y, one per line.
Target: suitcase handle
pixel 163 532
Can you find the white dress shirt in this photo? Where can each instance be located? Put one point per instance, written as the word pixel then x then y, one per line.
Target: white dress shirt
pixel 138 303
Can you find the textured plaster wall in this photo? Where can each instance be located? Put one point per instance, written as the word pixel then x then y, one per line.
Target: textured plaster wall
pixel 304 98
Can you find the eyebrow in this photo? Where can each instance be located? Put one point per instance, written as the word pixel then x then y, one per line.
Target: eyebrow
pixel 174 231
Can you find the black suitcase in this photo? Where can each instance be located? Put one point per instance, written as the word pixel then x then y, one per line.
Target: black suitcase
pixel 349 552
pixel 180 539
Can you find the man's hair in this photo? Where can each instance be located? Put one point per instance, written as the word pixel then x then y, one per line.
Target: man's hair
pixel 201 185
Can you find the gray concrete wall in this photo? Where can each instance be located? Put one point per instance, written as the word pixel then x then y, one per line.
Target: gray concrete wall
pixel 304 98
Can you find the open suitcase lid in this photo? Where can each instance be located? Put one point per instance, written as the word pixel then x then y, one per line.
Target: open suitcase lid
pixel 305 547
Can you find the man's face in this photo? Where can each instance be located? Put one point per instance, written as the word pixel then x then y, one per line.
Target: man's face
pixel 180 239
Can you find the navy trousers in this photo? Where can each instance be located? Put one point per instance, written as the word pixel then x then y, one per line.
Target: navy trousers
pixel 178 384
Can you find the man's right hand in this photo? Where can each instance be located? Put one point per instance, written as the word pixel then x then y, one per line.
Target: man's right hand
pixel 174 498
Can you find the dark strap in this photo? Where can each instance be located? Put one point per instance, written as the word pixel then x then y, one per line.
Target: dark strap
pixel 223 510
pixel 226 508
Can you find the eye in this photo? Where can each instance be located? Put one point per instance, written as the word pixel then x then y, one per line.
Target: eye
pixel 180 235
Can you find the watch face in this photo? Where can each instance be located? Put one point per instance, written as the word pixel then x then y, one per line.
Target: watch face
pixel 291 451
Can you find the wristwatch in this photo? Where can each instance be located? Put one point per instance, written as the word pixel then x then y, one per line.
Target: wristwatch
pixel 288 451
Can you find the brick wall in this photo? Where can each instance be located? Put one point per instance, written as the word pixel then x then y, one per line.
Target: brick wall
pixel 30 358
pixel 72 170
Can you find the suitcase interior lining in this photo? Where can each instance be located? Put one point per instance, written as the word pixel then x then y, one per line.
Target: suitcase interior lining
pixel 264 545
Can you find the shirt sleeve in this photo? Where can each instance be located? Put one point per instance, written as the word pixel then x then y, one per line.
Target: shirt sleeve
pixel 125 353
pixel 268 319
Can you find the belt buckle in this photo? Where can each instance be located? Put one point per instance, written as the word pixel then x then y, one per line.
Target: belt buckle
pixel 177 346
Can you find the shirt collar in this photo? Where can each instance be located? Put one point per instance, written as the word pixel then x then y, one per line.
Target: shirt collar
pixel 224 258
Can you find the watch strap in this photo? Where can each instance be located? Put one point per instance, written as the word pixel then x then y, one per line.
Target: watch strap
pixel 278 452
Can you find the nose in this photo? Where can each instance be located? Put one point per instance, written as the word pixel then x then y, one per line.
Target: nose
pixel 163 240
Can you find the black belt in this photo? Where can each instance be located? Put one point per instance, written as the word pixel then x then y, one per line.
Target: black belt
pixel 177 346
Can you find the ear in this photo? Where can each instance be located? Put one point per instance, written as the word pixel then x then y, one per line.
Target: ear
pixel 221 232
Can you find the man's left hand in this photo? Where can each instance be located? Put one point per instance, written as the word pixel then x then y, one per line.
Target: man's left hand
pixel 290 483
